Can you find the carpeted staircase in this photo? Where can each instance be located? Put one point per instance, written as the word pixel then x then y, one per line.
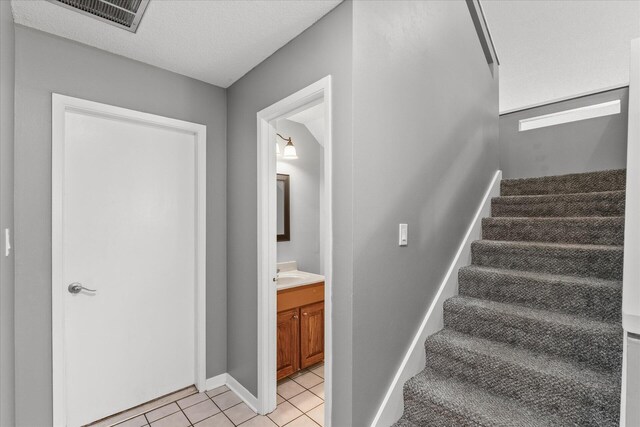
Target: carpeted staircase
pixel 534 336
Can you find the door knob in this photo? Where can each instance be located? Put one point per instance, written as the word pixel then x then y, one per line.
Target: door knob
pixel 76 287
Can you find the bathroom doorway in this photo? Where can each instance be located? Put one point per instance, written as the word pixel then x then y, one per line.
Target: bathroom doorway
pixel 294 254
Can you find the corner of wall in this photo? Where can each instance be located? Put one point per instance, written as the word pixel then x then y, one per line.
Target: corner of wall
pixel 414 360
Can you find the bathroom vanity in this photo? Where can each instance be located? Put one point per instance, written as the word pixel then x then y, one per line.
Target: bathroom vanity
pixel 300 324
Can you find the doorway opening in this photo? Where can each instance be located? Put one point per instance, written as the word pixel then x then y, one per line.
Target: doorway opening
pixel 295 246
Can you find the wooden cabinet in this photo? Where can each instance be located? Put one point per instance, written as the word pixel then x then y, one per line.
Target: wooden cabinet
pixel 311 334
pixel 288 342
pixel 300 328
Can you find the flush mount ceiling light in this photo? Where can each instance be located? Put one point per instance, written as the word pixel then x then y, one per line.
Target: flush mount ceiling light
pixel 289 149
pixel 125 14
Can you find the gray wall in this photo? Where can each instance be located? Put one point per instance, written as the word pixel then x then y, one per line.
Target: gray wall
pixel 6 214
pixel 304 172
pixel 46 64
pixel 325 48
pixel 425 149
pixel 584 146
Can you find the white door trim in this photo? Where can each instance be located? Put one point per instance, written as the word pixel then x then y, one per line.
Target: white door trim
pixel 60 105
pixel 267 243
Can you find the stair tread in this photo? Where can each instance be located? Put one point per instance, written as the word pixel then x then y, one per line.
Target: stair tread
pixel 591 297
pixel 543 316
pixel 566 175
pixel 543 363
pixel 579 195
pixel 570 219
pixel 595 204
pixel 597 180
pixel 533 198
pixel 585 260
pixel 550 277
pixel 475 403
pixel 594 230
pixel 549 245
pixel 596 343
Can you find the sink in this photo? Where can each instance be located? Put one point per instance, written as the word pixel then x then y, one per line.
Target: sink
pixel 289 278
pixel 293 278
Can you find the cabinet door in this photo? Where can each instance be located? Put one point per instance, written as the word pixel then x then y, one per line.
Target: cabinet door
pixel 288 343
pixel 311 334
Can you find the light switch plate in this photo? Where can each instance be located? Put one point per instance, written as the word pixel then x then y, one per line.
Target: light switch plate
pixel 7 242
pixel 403 235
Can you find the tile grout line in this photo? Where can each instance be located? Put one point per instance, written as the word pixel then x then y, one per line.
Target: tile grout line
pixel 298 394
pixel 182 410
pixel 185 415
pixel 223 413
pixel 179 410
pixel 210 416
pixel 247 420
pixel 131 417
pixel 304 413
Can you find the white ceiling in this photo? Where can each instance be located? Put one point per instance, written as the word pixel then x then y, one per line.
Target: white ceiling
pixel 551 50
pixel 216 41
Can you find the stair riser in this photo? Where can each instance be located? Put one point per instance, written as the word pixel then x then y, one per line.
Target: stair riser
pixel 604 263
pixel 608 205
pixel 597 350
pixel 578 403
pixel 576 183
pixel 607 231
pixel 429 414
pixel 602 303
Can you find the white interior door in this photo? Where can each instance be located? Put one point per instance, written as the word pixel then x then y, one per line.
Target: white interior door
pixel 129 216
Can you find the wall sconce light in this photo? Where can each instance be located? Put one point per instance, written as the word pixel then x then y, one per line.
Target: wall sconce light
pixel 289 149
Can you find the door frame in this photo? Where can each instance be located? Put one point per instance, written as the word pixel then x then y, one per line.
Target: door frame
pixel 60 105
pixel 267 230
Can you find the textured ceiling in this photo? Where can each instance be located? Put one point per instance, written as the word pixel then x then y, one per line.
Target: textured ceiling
pixel 556 49
pixel 216 41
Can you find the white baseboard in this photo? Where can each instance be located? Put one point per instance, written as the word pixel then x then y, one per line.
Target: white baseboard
pixel 215 382
pixel 249 399
pixel 235 386
pixel 414 360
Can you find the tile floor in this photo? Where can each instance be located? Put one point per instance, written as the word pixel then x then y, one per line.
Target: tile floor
pixel 300 403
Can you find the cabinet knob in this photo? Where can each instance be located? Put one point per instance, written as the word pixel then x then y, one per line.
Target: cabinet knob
pixel 295 316
pixel 304 314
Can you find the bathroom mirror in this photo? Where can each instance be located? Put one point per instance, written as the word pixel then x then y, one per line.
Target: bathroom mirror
pixel 282 188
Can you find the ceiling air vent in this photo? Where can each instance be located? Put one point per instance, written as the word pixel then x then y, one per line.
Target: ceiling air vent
pixel 125 14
